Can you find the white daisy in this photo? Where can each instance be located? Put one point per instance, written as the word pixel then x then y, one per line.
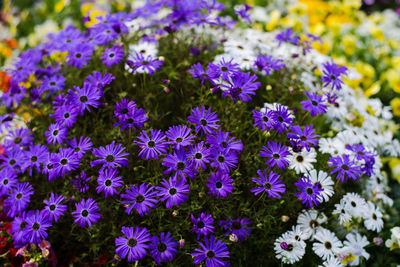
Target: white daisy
pixel 354 246
pixel 302 161
pixel 327 244
pixel 310 221
pixel 288 249
pixel 299 235
pixel 330 146
pixel 355 205
pixel 325 182
pixel 144 48
pixel 332 262
pixel 373 218
pixel 340 210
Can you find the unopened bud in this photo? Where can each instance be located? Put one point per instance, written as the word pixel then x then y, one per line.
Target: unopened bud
pixel 378 240
pixel 233 238
pixel 285 218
pixel 181 243
pixel 175 213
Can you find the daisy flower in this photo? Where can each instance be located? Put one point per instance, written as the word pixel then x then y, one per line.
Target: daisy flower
pixel 141 198
pixel 36 226
pixel 331 75
pixel 151 146
pixel 282 118
pixel 309 192
pixel 87 212
pixel 54 209
pixel 326 244
pixel 314 105
pixel 310 222
pixel 239 227
pixel 111 157
pixel 163 248
pixel 141 64
pixel 199 155
pixel 220 141
pixel 18 199
pixel 179 163
pixel 84 98
pixel 302 161
pixel 80 147
pixel 8 181
pixel 173 191
pixel 269 183
pixel 56 134
pixel 203 225
pixel 345 167
pixel 205 121
pixel 305 138
pixel 276 154
pixel 65 161
pixel 288 249
pixel 323 181
pixel 133 244
pixel 373 218
pixel 108 181
pixel 224 160
pixel 180 136
pixel 263 119
pixel 212 251
pixel 354 246
pixel 241 86
pixel 112 56
pixel 342 212
pixel 35 156
pixel 81 182
pixel 220 184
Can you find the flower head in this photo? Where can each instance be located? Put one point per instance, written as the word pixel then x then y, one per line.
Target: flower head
pixel 54 209
pixel 276 154
pixel 112 156
pixel 133 244
pixel 141 198
pixel 220 184
pixel 163 248
pixel 205 121
pixel 203 225
pixel 108 182
pixel 310 194
pixel 314 105
pixel 87 212
pixel 174 191
pixel 270 184
pixel 153 146
pixel 212 250
pixel 112 56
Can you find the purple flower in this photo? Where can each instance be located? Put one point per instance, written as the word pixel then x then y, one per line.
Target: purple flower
pixel 241 86
pixel 112 56
pixel 205 121
pixel 243 12
pixel 53 83
pixel 239 227
pixel 56 134
pixel 35 156
pixel 54 209
pixel 18 227
pixel 282 118
pixel 180 136
pixel 138 63
pixel 332 73
pixel 111 157
pixel 276 154
pixel 18 199
pixel 19 137
pixel 173 191
pixel 80 182
pixel 123 108
pixel 309 192
pixel 179 163
pixel 223 69
pixel 164 248
pixel 79 55
pixel 48 167
pixel 267 64
pixel 345 167
pixel 203 225
pixel 224 160
pixel 108 182
pixel 314 104
pixel 8 181
pixel 211 251
pixel 80 148
pixel 270 184
pixel 87 212
pixel 65 161
pixel 13 159
pixel 141 198
pixel 98 82
pixel 220 184
pixel 84 97
pixel 151 147
pixel 199 155
pixel 288 36
pixel 133 244
pixel 305 137
pixel 263 119
pixel 36 226
pixel 197 71
pixel 221 141
pixel 65 115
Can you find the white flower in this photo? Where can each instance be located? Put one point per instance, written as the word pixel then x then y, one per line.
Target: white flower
pixel 340 209
pixel 327 244
pixel 354 245
pixel 394 240
pixel 331 146
pixel 302 161
pixel 332 262
pixel 355 205
pixel 288 249
pixel 144 48
pixel 325 182
pixel 373 218
pixel 310 221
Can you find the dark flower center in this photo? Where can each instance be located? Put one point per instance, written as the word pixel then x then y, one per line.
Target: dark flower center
pixel 198 155
pixel 55 132
pixel 289 247
pixel 179 139
pixel 297 238
pixel 161 247
pixel 36 226
pixel 17 140
pixel 210 254
pixel 5 181
pixel 268 186
pixel 66 115
pixel 224 69
pixel 314 224
pixel 328 245
pixel 83 99
pixel 139 198
pixel 345 167
pixel 221 159
pixel 18 196
pixel 108 182
pixel 276 156
pixel 132 242
pixel 130 120
pixel 110 158
pixel 64 161
pixel 22 226
pixel 200 224
pixel 333 77
pixel 224 144
pixel 77 149
pixel 374 216
pixel 145 62
pixel 218 185
pixel 78 55
pixel 34 158
pixel 12 162
pixel 52 207
pixel 151 144
pixel 353 204
pixel 52 83
pixel 300 158
pixel 111 55
pixel 203 122
pixel 124 111
pixel 265 118
pixel 303 138
pixel 309 191
pixel 236 225
pixel 280 119
pixel 84 213
pixel 172 191
pixel 49 166
pixel 319 185
pixel 180 165
pixel 142 51
pixel 314 103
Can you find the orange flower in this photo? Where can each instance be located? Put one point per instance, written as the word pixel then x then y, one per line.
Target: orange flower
pixel 4 82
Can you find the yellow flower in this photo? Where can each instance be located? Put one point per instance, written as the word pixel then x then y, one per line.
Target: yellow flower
pixel 394 165
pixel 60 5
pixel 373 89
pixel 349 44
pixel 395 103
pixel 348 258
pixel 393 78
pixel 377 33
pixel 274 18
pixel 59 56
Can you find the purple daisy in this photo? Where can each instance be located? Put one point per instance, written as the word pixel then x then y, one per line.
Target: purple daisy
pixel 97 81
pixel 239 227
pixel 314 105
pixel 133 244
pixel 53 83
pixel 267 64
pixel 65 115
pixel 282 118
pixel 276 154
pixel 18 199
pixel 54 209
pixel 56 134
pixel 36 226
pixel 222 141
pixel 112 56
pixel 197 71
pixel 65 161
pixel 263 119
pixel 241 86
pixel 203 225
pixel 151 147
pixel 13 159
pixel 224 160
pixel 135 118
pixel 205 121
pixel 305 137
pixel 108 182
pixel 18 227
pixel 287 36
pixel 34 157
pixel 87 212
pixel 199 155
pixel 179 163
pixel 310 194
pixel 80 148
pixel 81 182
pixel 111 157
pixel 332 73
pixel 141 198
pixel 224 69
pixel 123 108
pixel 345 167
pixel 8 181
pixel 270 184
pixel 79 55
pixel 180 136
pixel 220 184
pixel 48 167
pixel 211 251
pixel 173 191
pixel 140 64
pixel 18 137
pixel 163 248
pixel 85 97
